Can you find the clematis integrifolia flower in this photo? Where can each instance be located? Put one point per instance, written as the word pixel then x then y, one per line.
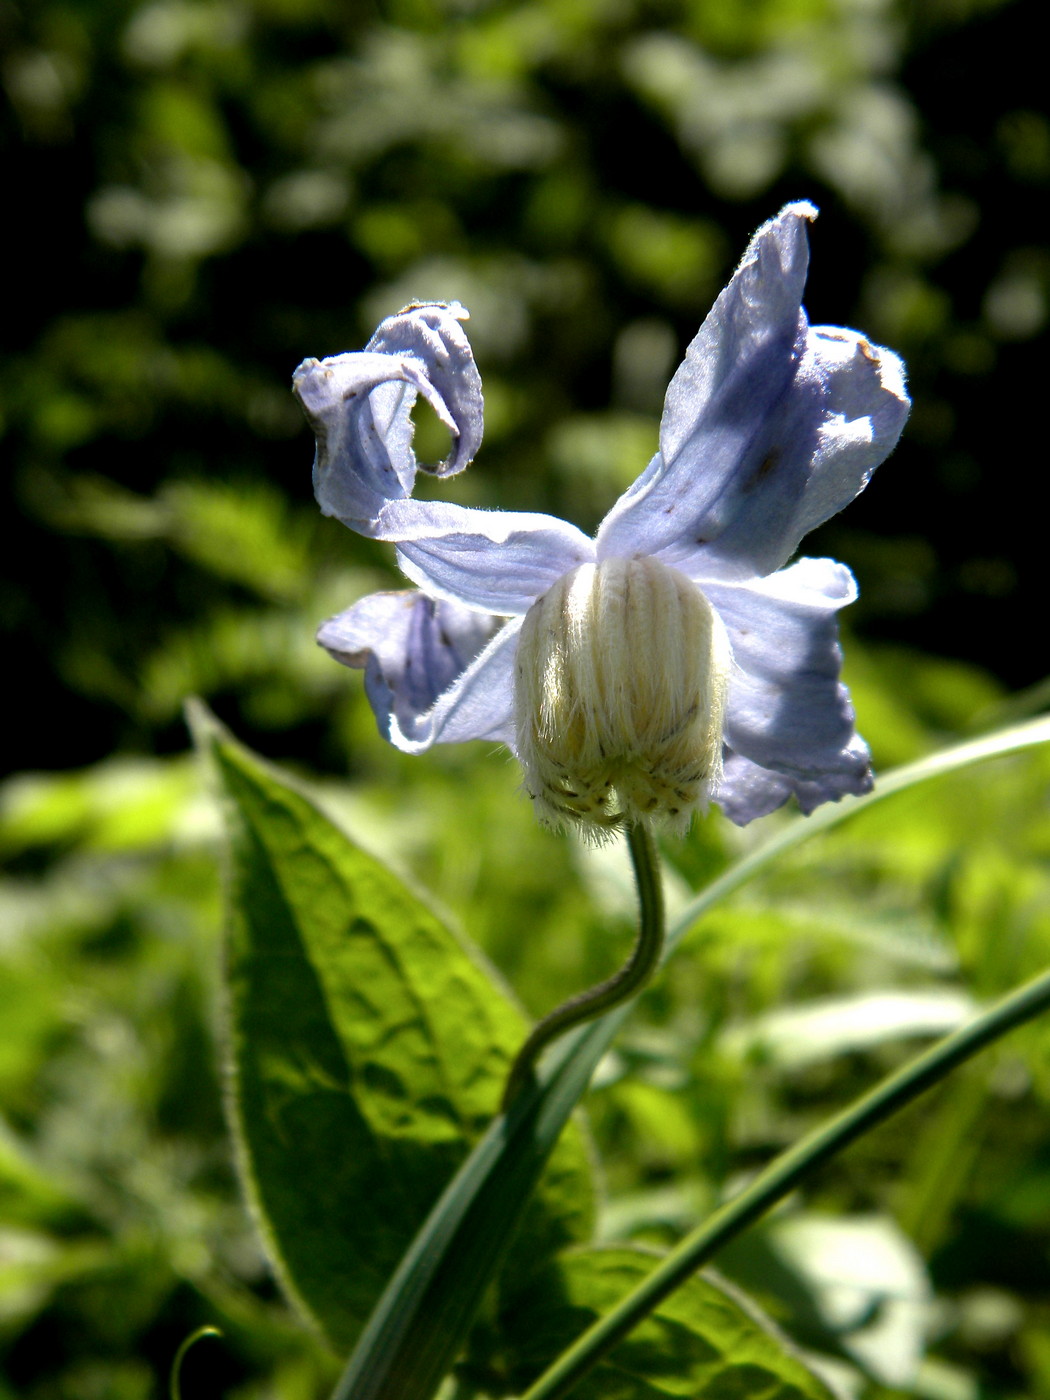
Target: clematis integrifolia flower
pixel 621 680
pixel 673 659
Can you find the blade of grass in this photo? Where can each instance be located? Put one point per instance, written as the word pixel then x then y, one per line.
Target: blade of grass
pixel 951 760
pixel 433 1297
pixel 782 1176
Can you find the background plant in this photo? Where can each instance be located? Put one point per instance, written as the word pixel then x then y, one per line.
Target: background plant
pixel 233 187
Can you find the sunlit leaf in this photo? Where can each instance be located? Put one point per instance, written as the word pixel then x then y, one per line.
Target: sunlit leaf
pixel 854 1285
pixel 704 1341
pixel 367 1047
pixel 808 1034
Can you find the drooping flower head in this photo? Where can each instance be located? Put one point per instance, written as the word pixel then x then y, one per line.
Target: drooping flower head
pixel 673 659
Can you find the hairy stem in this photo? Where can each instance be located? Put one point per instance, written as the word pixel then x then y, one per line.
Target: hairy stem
pixel 631 978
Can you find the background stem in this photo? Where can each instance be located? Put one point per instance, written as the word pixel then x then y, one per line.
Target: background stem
pixel 783 1175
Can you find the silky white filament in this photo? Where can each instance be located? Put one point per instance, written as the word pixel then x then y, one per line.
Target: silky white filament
pixel 622 672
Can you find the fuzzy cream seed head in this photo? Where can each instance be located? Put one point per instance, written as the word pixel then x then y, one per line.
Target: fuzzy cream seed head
pixel 622 672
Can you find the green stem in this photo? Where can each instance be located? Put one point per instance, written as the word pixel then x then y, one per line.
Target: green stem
pixel 174 1392
pixel 631 978
pixel 783 1175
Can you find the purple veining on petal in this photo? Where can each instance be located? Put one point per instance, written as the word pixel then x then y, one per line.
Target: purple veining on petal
pixel 412 649
pixel 769 426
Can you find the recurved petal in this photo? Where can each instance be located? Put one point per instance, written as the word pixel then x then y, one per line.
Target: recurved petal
pixel 788 715
pixel 431 332
pixel 359 407
pixel 770 425
pixel 498 561
pixel 435 672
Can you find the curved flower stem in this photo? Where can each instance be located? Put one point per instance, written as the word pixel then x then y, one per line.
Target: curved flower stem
pixel 783 1175
pixel 174 1392
pixel 631 978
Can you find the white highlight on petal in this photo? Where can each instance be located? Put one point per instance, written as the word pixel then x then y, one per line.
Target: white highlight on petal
pixel 621 681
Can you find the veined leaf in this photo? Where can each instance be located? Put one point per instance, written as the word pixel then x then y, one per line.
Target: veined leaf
pixel 419 1323
pixel 854 1285
pixel 704 1341
pixel 367 1048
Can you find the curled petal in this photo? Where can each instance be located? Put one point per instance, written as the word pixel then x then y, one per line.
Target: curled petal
pixel 788 715
pixel 769 425
pixel 435 672
pixel 359 407
pixel 497 561
pixel 432 333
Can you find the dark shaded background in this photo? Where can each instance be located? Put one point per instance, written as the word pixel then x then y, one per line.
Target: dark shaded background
pixel 199 195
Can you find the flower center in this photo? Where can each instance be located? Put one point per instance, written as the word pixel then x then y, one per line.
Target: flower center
pixel 622 671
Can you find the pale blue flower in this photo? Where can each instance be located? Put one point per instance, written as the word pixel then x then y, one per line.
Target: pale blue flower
pixel 770 426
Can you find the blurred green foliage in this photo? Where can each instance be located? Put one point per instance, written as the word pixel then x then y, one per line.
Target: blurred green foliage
pixel 203 192
pixel 122 1227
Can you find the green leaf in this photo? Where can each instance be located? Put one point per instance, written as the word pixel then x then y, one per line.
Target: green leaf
pixel 796 832
pixel 704 1341
pixel 419 1324
pixel 367 1048
pixel 788 1169
pixel 29 1198
pixel 413 1335
pixel 243 532
pixel 851 1285
pixel 818 1031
